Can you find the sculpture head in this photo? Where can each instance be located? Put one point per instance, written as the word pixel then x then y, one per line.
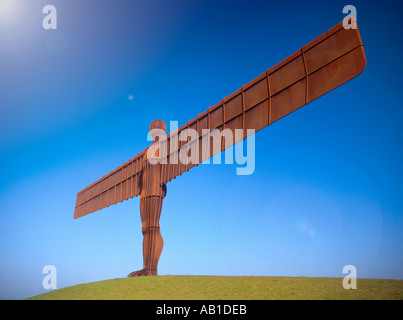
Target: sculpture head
pixel 156 128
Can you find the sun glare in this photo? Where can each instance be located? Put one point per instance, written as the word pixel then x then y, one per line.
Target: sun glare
pixel 9 10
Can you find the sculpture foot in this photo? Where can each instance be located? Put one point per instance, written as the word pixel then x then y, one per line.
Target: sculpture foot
pixel 143 272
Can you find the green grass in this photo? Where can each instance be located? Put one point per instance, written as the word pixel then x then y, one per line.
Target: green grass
pixel 225 287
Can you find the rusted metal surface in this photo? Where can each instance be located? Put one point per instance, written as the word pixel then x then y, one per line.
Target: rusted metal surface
pixel 327 62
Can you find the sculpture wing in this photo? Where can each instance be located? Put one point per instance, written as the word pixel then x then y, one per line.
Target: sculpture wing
pixel 120 184
pixel 325 63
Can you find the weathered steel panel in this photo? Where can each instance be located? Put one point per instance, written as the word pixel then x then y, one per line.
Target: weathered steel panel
pixel 216 116
pixel 234 124
pixel 124 190
pixel 258 117
pixel 286 75
pixel 288 100
pixel 104 199
pixel 111 196
pixel 256 93
pixel 331 48
pixel 203 125
pixel 233 107
pixel 335 73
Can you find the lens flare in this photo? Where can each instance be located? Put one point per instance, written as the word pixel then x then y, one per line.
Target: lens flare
pixel 9 10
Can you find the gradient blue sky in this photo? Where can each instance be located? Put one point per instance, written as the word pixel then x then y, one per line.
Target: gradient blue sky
pixel 327 188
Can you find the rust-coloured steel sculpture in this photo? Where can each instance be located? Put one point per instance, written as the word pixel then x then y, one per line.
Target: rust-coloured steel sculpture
pixel 327 62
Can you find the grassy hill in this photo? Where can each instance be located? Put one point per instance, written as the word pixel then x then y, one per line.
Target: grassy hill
pixel 226 287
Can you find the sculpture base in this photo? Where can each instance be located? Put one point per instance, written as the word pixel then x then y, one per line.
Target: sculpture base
pixel 143 272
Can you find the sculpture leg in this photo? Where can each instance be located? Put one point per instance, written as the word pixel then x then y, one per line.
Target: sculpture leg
pixel 150 210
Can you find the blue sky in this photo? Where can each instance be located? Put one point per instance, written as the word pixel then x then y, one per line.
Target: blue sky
pixel 327 186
